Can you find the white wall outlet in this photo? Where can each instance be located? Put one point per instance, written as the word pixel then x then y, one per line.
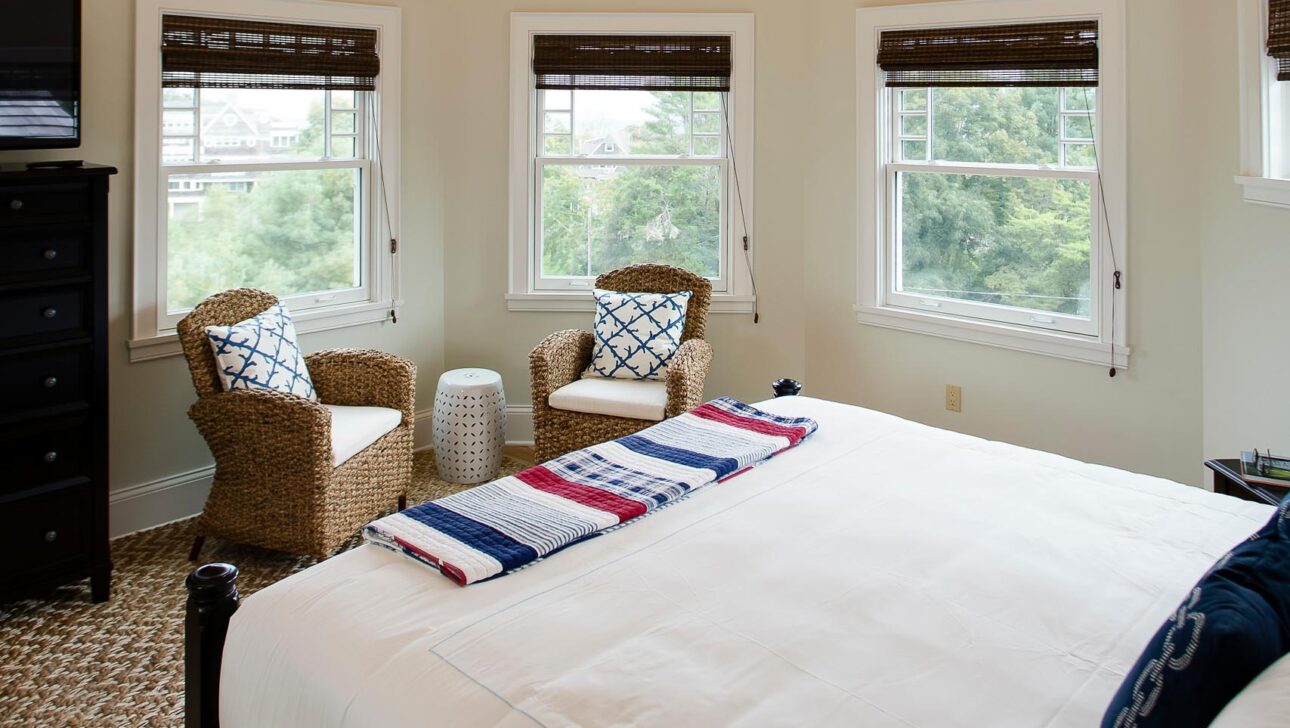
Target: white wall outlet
pixel 953 398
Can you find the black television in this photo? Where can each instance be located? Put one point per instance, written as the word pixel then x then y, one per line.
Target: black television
pixel 40 74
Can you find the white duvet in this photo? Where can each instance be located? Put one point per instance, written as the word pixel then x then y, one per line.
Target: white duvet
pixel 884 573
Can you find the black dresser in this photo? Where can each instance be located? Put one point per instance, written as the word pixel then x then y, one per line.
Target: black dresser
pixel 53 379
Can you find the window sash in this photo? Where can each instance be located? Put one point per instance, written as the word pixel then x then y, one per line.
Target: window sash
pixel 541 282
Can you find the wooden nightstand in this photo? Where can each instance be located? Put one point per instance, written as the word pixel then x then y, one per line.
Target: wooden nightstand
pixel 1228 481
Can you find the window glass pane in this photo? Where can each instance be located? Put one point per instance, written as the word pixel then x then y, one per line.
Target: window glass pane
pixel 1078 126
pixel 342 122
pixel 242 125
pixel 913 125
pixel 1080 155
pixel 914 99
pixel 557 145
pixel 995 125
pixel 1015 241
pixel 1081 99
pixel 177 150
pixel 596 218
pixel 637 122
pixel 707 101
pixel 913 151
pixel 178 123
pixel 557 99
pixel 707 123
pixel 342 99
pixel 287 232
pixel 343 147
pixel 707 146
pixel 178 97
pixel 556 123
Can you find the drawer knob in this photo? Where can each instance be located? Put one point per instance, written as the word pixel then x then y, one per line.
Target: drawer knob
pixel 50 312
pixel 51 536
pixel 50 254
pixel 51 382
pixel 51 456
pixel 15 205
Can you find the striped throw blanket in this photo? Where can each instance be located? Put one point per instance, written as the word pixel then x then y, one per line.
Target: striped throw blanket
pixel 513 521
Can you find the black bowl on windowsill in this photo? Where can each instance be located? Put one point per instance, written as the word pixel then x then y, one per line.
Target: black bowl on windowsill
pixel 786 387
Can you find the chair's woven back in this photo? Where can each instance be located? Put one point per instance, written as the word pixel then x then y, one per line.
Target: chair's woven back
pixel 221 309
pixel 653 278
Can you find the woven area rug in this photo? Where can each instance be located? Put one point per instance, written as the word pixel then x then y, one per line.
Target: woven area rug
pixel 67 662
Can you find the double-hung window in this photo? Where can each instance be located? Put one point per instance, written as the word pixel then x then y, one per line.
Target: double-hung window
pixel 1265 101
pixel 991 193
pixel 631 141
pixel 264 162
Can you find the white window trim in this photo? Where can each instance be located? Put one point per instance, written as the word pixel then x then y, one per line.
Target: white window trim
pixel 871 307
pixel 150 339
pixel 1257 74
pixel 521 292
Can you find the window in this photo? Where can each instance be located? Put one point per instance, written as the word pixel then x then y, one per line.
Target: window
pixel 1265 101
pixel 614 166
pixel 989 180
pixel 268 179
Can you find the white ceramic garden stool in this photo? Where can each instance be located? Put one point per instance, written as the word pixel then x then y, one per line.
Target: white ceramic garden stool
pixel 469 425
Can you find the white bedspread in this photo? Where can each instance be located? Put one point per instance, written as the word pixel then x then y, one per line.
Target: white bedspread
pixel 882 574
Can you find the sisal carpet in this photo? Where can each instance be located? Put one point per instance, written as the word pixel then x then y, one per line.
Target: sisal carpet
pixel 67 662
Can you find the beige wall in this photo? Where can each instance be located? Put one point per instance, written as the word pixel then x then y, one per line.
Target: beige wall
pixel 1190 235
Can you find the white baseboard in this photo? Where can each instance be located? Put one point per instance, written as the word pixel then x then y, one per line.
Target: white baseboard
pixel 148 505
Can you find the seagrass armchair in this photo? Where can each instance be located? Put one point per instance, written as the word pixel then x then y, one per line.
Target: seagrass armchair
pixel 572 412
pixel 292 474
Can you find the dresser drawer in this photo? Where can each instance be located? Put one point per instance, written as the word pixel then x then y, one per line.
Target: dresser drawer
pixel 44 531
pixel 44 379
pixel 44 451
pixel 42 204
pixel 44 311
pixel 24 254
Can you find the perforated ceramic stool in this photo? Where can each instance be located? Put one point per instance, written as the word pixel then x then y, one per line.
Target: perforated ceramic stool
pixel 469 425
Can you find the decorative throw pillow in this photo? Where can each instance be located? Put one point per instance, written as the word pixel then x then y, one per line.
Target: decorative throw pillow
pixel 1231 627
pixel 637 333
pixel 261 353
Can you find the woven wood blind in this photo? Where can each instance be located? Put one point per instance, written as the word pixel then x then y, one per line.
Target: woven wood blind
pixel 1033 54
pixel 228 53
pixel 633 62
pixel 1279 36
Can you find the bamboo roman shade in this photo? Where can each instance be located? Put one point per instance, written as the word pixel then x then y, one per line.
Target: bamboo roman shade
pixel 1032 54
pixel 632 62
pixel 229 53
pixel 1279 36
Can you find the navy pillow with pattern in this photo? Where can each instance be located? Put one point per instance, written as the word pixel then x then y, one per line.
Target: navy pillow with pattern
pixel 1232 625
pixel 637 333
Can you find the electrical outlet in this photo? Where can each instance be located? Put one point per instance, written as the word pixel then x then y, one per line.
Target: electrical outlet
pixel 953 398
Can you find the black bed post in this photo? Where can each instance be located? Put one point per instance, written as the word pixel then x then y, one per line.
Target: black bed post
pixel 212 599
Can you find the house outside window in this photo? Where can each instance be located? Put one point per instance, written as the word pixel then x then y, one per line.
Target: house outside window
pixel 264 180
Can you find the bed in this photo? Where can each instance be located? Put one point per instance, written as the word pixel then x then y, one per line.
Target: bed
pixel 883 573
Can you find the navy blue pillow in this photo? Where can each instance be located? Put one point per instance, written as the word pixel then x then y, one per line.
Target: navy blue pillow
pixel 1232 626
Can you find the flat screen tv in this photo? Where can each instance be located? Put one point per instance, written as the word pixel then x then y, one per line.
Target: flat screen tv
pixel 40 74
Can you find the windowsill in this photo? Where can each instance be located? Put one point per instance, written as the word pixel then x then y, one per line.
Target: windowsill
pixel 1017 338
pixel 580 302
pixel 166 344
pixel 1266 190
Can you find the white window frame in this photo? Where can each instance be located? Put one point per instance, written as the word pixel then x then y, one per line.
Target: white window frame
pixel 1100 341
pixel 527 291
pixel 377 299
pixel 1265 121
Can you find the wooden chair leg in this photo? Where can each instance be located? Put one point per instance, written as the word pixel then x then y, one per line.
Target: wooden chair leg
pixel 196 550
pixel 403 502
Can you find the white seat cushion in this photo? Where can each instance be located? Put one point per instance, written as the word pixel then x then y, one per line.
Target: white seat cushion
pixel 354 428
pixel 637 399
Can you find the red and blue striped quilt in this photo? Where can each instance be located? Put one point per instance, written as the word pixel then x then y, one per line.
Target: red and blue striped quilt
pixel 511 522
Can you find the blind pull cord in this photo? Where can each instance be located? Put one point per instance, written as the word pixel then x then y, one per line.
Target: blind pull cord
pixel 739 195
pixel 1118 276
pixel 383 193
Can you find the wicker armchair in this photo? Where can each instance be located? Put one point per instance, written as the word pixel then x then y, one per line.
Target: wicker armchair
pixel 561 358
pixel 275 483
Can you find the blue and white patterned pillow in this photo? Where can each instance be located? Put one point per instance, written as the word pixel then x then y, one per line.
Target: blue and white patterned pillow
pixel 637 333
pixel 261 353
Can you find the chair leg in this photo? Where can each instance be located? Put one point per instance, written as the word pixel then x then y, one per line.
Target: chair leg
pixel 403 502
pixel 196 550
